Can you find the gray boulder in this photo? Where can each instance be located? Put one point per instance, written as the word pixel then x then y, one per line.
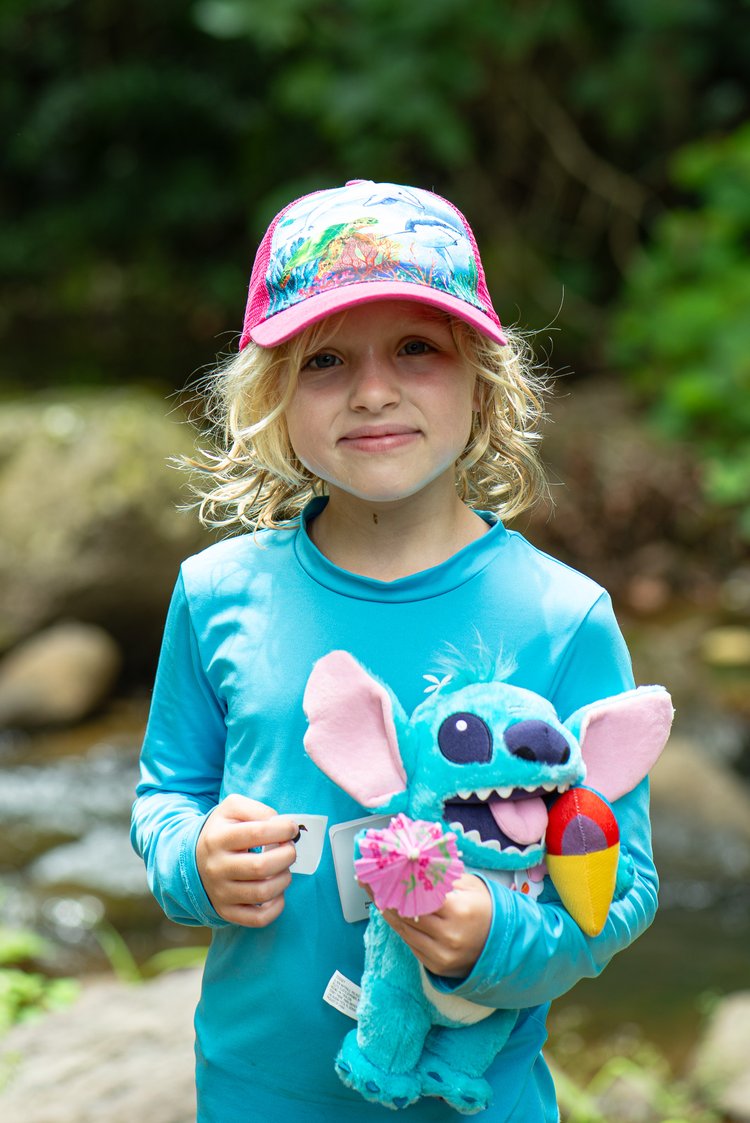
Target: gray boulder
pixel 700 814
pixel 721 1065
pixel 119 1053
pixel 57 677
pixel 91 526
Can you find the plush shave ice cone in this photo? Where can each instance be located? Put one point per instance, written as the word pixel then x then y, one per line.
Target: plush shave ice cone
pixel 583 849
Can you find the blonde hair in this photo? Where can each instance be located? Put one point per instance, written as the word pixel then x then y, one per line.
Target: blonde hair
pixel 252 479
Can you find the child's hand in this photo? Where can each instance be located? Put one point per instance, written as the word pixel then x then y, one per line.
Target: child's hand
pixel 246 888
pixel 449 942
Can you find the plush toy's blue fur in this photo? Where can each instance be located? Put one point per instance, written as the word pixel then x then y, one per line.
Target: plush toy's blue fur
pixel 412 1040
pixel 433 779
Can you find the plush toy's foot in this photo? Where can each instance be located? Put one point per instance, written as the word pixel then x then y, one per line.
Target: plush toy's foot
pixel 467 1094
pixel 391 1089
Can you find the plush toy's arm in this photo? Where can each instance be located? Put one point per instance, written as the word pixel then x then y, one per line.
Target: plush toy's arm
pixel 536 951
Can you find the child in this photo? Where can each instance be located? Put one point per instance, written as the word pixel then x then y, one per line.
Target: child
pixel 374 411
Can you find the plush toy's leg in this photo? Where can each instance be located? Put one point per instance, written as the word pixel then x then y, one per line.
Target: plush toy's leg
pixel 379 1059
pixel 454 1061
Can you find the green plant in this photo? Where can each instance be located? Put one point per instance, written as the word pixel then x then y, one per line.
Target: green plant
pixel 27 994
pixel 682 332
pixel 644 1074
pixel 126 967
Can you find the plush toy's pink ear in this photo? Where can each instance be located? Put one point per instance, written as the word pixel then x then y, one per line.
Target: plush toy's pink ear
pixel 351 735
pixel 621 738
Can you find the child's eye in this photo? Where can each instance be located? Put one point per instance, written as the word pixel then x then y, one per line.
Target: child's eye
pixel 324 360
pixel 416 347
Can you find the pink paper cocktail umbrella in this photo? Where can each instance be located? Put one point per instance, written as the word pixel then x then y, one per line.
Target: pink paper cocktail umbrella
pixel 410 865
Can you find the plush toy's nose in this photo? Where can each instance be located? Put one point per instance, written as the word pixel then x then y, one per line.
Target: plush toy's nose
pixel 538 742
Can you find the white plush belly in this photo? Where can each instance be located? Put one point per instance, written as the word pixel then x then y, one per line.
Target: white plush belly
pixel 456 1010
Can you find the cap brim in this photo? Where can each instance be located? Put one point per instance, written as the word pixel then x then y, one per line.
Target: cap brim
pixel 277 329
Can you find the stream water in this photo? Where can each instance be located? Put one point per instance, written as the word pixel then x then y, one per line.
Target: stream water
pixel 66 868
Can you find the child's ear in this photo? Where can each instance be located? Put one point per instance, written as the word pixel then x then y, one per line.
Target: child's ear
pixel 352 734
pixel 621 738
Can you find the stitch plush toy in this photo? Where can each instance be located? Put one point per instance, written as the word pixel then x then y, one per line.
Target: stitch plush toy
pixel 485 760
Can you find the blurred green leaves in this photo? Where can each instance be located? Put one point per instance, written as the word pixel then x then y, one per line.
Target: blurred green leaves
pixel 147 148
pixel 683 329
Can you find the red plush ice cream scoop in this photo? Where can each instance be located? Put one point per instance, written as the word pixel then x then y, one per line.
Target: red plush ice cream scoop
pixel 583 849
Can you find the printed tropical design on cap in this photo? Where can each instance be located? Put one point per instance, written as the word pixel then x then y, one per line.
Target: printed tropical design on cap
pixel 406 236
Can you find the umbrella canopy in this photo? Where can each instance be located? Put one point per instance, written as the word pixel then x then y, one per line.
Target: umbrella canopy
pixel 410 865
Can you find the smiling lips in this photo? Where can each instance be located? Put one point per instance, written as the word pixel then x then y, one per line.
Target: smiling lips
pixel 379 438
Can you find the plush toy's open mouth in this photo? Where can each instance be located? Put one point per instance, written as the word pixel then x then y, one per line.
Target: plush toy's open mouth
pixel 502 818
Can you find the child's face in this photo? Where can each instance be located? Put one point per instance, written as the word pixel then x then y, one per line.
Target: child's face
pixel 383 407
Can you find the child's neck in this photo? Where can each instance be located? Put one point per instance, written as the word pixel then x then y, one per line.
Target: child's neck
pixel 392 540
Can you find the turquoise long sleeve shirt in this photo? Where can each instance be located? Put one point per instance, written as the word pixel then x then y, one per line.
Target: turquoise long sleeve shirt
pixel 249 618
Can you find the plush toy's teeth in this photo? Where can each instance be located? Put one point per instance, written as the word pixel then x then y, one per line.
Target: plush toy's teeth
pixel 465 794
pixel 551 787
pixel 490 843
pixel 504 793
pixel 484 793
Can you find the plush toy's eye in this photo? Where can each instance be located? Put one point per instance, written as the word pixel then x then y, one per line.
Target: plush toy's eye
pixel 465 739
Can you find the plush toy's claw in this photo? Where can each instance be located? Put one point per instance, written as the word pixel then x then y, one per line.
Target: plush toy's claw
pixel 465 1094
pixel 391 1089
pixel 583 850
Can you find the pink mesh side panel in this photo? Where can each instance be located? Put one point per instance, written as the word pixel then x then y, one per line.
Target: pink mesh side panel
pixel 482 291
pixel 258 298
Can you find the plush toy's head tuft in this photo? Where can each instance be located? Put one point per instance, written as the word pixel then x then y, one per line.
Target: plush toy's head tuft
pixel 488 759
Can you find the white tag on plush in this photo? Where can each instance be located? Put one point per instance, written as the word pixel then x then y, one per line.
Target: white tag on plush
pixel 343 995
pixel 355 902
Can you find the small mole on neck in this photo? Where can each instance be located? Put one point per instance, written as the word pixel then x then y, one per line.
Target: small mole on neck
pixel 375 517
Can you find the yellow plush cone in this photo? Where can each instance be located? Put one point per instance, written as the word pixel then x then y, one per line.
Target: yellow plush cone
pixel 586 884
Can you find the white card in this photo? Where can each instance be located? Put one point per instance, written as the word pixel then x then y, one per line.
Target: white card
pixel 355 903
pixel 309 842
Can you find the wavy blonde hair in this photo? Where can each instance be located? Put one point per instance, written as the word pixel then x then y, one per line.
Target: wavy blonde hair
pixel 246 474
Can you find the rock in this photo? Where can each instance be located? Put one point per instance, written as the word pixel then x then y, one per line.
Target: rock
pixel 687 782
pixel 700 815
pixel 627 506
pixel 57 677
pixel 719 1071
pixel 91 525
pixel 632 1096
pixel 119 1053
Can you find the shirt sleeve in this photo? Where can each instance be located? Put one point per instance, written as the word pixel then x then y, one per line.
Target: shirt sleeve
pixel 182 764
pixel 535 950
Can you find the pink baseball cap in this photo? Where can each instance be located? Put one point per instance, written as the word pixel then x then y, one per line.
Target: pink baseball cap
pixel 365 241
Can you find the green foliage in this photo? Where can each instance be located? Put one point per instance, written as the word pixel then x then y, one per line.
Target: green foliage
pixel 683 331
pixel 27 994
pixel 126 967
pixel 637 1083
pixel 144 156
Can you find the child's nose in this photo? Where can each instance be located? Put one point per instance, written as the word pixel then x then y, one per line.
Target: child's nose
pixel 374 385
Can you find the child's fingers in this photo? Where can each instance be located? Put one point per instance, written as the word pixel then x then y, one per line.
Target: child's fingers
pixel 255 916
pixel 450 940
pixel 243 866
pixel 244 809
pixel 258 892
pixel 267 832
